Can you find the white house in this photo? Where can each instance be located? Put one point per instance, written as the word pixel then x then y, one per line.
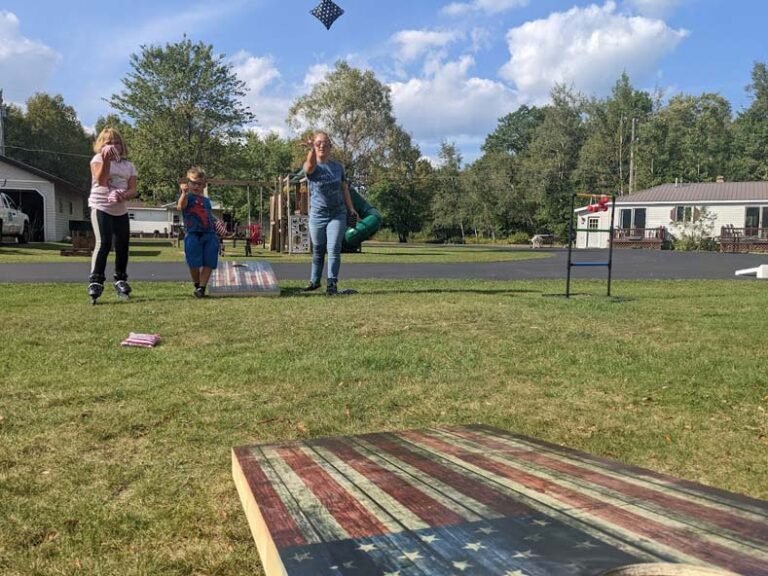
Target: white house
pixel 49 201
pixel 650 216
pixel 147 219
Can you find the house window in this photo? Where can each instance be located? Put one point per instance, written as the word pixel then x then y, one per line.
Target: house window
pixel 175 218
pixel 61 205
pixel 632 218
pixel 131 216
pixel 71 209
pixel 755 217
pixel 682 214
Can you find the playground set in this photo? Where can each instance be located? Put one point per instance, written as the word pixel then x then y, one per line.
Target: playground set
pixel 289 207
pixel 289 210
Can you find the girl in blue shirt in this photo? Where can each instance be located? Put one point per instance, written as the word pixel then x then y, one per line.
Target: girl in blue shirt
pixel 330 203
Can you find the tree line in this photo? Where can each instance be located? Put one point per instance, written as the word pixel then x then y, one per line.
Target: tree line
pixel 182 104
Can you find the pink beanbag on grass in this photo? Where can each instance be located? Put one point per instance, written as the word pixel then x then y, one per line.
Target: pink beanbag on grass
pixel 141 340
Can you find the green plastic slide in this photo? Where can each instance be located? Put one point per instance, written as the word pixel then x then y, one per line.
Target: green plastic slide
pixel 367 225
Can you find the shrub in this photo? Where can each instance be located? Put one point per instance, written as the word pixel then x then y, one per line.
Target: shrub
pixel 519 238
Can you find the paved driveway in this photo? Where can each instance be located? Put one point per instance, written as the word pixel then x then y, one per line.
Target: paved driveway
pixel 627 264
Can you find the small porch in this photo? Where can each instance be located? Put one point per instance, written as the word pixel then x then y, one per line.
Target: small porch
pixel 651 238
pixel 750 239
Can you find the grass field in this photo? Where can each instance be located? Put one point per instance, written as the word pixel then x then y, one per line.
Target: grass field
pixel 164 251
pixel 116 461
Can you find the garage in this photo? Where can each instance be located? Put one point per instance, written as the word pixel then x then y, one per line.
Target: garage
pixel 31 203
pixel 50 202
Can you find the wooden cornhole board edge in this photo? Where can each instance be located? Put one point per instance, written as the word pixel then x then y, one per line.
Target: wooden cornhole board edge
pixel 268 553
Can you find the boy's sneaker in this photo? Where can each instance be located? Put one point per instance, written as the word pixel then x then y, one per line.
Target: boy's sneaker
pixel 331 289
pixel 95 289
pixel 200 292
pixel 122 289
pixel 311 287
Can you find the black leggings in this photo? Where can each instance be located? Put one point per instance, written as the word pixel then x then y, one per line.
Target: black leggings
pixel 105 226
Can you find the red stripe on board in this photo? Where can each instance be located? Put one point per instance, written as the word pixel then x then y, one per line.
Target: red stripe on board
pixel 420 504
pixel 278 519
pixel 499 502
pixel 744 527
pixel 351 515
pixel 686 541
pixel 722 496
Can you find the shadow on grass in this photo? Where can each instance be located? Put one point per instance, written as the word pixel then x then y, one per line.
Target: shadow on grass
pixel 583 295
pixel 299 292
pixel 145 252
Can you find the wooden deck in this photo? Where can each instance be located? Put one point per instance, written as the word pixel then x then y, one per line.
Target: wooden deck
pixel 651 238
pixel 480 501
pixel 743 239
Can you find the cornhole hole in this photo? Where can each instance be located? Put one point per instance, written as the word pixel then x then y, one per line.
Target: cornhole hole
pixel 243 278
pixel 478 500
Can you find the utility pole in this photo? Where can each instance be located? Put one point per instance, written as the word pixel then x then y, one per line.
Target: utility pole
pixel 621 155
pixel 2 130
pixel 632 159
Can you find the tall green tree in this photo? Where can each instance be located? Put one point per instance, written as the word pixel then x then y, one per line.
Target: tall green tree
pixel 691 139
pixel 606 160
pixel 355 108
pixel 185 106
pixel 449 202
pixel 402 188
pixel 751 130
pixel 548 170
pixel 514 132
pixel 49 137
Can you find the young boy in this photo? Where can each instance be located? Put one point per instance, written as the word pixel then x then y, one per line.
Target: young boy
pixel 201 245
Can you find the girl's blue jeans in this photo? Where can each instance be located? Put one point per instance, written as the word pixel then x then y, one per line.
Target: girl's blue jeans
pixel 326 231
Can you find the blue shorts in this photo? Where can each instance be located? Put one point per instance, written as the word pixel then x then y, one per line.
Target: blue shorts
pixel 201 250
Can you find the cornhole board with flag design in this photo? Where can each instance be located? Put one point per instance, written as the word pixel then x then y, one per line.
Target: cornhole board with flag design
pixel 476 500
pixel 243 278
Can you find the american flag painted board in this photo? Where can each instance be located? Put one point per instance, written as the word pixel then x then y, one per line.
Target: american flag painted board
pixel 475 500
pixel 243 278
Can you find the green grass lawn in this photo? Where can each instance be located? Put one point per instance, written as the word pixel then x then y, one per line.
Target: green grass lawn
pixel 116 461
pixel 164 251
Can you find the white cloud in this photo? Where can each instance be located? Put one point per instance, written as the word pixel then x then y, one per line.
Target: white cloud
pixel 451 104
pixel 256 72
pixel 25 65
pixel 316 74
pixel 585 47
pixel 486 6
pixel 259 74
pixel 481 39
pixel 415 43
pixel 654 8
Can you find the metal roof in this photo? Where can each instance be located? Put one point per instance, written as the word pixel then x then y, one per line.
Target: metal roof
pixel 699 192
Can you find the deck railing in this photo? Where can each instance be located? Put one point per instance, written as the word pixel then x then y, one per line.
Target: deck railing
pixel 747 239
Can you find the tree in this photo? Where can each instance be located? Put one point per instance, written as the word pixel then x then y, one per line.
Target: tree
pixel 50 137
pixel 402 185
pixel 605 160
pixel 547 171
pixel 449 203
pixel 514 132
pixel 356 110
pixel 751 130
pixel 184 102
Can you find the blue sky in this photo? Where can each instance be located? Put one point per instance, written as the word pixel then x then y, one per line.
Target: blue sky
pixel 454 66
